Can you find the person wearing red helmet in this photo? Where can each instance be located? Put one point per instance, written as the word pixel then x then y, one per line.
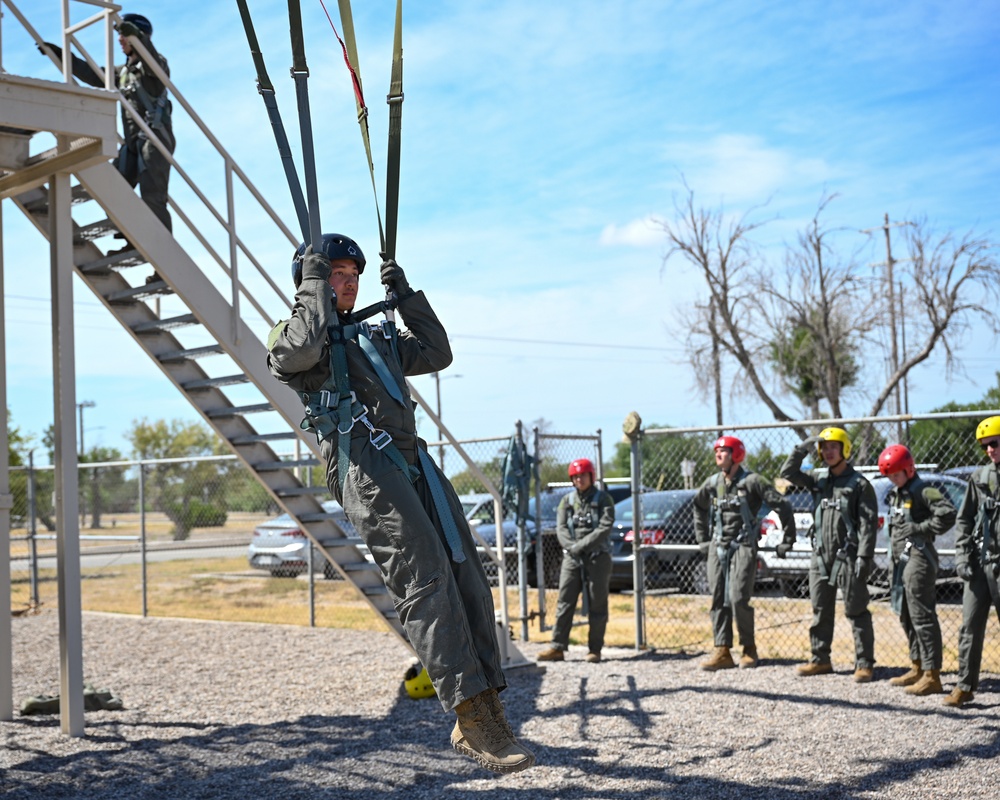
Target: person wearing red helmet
pixel 846 523
pixel 725 524
pixel 351 377
pixel 917 513
pixel 977 561
pixel 584 520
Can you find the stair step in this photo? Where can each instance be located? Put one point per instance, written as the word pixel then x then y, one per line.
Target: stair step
pixel 239 411
pixel 191 352
pixel 213 383
pixel 95 230
pixel 360 566
pixel 318 516
pixel 298 491
pixel 157 325
pixel 273 466
pixel 138 292
pixel 261 437
pixel 130 258
pixel 347 541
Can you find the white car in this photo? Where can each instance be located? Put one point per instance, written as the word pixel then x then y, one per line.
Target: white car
pixel 791 572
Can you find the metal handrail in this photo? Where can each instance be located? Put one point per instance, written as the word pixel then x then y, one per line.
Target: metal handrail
pixel 226 220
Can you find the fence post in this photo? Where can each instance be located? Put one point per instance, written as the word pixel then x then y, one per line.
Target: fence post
pixel 633 430
pixel 32 530
pixel 312 583
pixel 142 535
pixel 539 542
pixel 522 556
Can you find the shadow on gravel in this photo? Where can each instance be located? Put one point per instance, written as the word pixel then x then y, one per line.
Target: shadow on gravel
pixel 406 755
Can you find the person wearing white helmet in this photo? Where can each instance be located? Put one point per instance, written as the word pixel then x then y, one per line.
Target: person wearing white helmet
pixel 977 561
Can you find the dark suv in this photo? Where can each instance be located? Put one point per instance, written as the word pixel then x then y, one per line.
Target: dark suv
pixel 667 518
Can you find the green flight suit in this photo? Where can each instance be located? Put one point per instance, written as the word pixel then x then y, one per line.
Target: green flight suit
pixel 927 512
pixel 732 545
pixel 138 160
pixel 983 492
pixel 831 536
pixel 446 608
pixel 583 527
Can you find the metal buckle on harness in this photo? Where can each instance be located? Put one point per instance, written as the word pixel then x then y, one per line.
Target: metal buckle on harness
pixel 360 416
pixel 378 437
pixel 829 502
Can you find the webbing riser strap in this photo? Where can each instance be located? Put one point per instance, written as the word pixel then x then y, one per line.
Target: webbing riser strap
pixel 445 513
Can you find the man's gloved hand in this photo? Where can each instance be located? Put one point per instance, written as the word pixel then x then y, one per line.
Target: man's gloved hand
pixel 703 546
pixel 964 571
pixel 808 445
pixel 41 48
pixel 862 568
pixel 782 550
pixel 905 528
pixel 127 28
pixel 315 265
pixel 394 278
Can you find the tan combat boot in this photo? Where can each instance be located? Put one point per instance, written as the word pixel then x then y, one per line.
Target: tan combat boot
pixel 815 668
pixel 929 683
pixel 908 678
pixel 551 654
pixel 863 675
pixel 720 659
pixel 594 657
pixel 749 659
pixel 958 698
pixel 482 733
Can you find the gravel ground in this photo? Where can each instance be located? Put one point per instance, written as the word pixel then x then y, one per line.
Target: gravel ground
pixel 230 710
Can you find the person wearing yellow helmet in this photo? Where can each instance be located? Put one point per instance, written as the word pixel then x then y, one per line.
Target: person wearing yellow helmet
pixel 977 561
pixel 843 548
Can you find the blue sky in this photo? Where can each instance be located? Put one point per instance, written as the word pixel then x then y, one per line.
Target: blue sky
pixel 541 141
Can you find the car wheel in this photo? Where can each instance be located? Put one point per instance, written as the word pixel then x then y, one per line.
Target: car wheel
pixel 283 572
pixel 794 587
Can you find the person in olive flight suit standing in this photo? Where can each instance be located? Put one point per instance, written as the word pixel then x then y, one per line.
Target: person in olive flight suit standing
pixel 977 561
pixel 583 526
pixel 350 376
pixel 917 513
pixel 727 531
pixel 843 550
pixel 139 160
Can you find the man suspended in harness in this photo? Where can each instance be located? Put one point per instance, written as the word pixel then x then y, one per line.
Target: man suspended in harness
pixel 139 160
pixel 583 525
pixel 977 561
pixel 917 513
pixel 725 524
pixel 351 379
pixel 843 550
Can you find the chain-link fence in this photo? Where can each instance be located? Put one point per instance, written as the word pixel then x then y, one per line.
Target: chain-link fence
pixel 674 601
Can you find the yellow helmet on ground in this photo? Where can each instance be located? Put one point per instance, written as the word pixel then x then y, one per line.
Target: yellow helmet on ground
pixel 834 435
pixel 418 682
pixel 987 428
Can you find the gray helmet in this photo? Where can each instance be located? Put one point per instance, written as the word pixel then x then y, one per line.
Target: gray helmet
pixel 140 22
pixel 334 245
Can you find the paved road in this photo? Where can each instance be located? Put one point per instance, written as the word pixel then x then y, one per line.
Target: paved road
pixel 119 555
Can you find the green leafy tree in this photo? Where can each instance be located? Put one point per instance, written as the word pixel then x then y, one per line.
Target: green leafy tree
pixel 100 487
pixel 185 491
pixel 952 442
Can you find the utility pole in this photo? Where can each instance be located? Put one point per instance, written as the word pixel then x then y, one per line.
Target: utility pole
pixel 80 406
pixel 891 286
pixel 716 365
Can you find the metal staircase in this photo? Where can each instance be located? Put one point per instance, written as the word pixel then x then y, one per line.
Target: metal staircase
pixel 207 314
pixel 179 316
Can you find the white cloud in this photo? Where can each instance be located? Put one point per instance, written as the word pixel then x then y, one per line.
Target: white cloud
pixel 645 232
